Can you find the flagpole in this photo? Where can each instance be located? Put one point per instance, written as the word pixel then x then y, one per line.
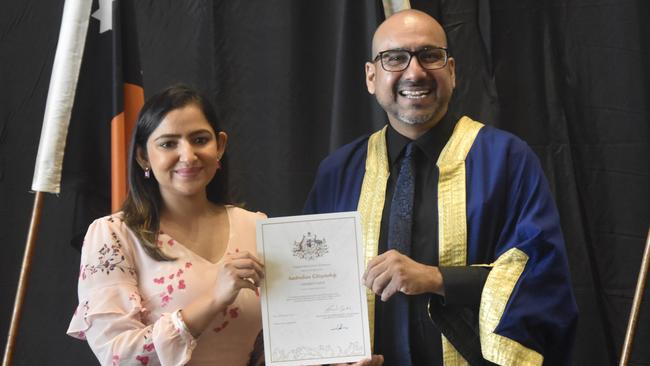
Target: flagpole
pixel 49 159
pixel 636 304
pixel 24 278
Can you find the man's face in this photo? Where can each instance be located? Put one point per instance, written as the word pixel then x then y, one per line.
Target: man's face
pixel 415 96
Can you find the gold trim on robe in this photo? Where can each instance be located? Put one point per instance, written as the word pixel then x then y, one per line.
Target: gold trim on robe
pixel 452 211
pixel 371 206
pixel 497 290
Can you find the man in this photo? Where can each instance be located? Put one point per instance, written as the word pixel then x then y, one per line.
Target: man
pixel 467 235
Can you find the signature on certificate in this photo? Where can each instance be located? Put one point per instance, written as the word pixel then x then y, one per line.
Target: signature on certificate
pixel 337 309
pixel 339 326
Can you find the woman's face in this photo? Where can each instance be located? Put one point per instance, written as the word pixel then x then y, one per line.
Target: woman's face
pixel 183 153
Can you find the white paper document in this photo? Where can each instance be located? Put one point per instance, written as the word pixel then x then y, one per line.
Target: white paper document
pixel 314 308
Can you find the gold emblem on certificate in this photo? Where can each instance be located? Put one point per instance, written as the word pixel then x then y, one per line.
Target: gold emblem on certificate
pixel 309 247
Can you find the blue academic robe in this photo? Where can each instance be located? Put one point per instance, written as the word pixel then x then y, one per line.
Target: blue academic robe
pixel 511 225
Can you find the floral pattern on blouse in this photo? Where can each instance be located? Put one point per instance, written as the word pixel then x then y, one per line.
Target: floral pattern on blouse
pixel 228 313
pixel 109 258
pixel 171 282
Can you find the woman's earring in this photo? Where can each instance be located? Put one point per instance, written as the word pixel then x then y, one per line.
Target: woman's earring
pixel 218 164
pixel 147 173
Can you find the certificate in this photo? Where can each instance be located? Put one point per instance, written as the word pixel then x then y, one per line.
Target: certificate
pixel 314 308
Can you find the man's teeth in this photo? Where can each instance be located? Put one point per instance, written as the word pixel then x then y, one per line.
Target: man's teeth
pixel 414 93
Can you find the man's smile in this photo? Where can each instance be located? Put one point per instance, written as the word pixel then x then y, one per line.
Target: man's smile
pixel 415 94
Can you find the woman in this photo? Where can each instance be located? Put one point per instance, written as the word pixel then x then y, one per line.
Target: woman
pixel 171 279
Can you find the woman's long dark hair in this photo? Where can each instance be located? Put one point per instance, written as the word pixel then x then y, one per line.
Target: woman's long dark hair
pixel 141 209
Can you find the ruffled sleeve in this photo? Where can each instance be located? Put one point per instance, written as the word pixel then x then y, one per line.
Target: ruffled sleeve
pixel 110 312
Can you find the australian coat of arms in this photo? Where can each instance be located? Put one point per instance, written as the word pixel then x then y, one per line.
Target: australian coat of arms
pixel 310 247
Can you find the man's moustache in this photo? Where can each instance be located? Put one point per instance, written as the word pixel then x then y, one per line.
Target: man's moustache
pixel 416 84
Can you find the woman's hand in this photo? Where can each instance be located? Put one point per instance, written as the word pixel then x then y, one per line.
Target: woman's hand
pixel 235 272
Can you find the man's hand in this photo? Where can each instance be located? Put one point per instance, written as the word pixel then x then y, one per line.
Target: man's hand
pixel 392 271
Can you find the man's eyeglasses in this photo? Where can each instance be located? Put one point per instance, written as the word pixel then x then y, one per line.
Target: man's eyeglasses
pixel 430 58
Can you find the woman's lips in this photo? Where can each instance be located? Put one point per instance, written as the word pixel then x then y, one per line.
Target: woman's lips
pixel 188 172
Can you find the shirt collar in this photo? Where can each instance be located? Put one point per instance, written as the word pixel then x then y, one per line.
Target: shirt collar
pixel 430 143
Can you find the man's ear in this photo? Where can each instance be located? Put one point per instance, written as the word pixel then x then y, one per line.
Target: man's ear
pixel 141 157
pixel 452 70
pixel 370 77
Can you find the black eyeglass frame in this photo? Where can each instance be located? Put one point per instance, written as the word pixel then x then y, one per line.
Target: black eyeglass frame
pixel 415 53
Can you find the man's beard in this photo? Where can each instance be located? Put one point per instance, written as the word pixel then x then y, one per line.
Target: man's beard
pixel 415 120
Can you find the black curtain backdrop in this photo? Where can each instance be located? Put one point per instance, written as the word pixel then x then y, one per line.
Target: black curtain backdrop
pixel 572 78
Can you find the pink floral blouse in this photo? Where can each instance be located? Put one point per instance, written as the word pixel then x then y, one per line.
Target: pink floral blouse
pixel 127 299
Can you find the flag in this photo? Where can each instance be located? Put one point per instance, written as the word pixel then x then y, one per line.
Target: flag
pixel 112 95
pixel 109 96
pixel 113 98
pixel 60 96
pixel 126 84
pixel 393 6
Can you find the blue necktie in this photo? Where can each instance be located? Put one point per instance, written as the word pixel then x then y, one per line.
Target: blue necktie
pixel 400 223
